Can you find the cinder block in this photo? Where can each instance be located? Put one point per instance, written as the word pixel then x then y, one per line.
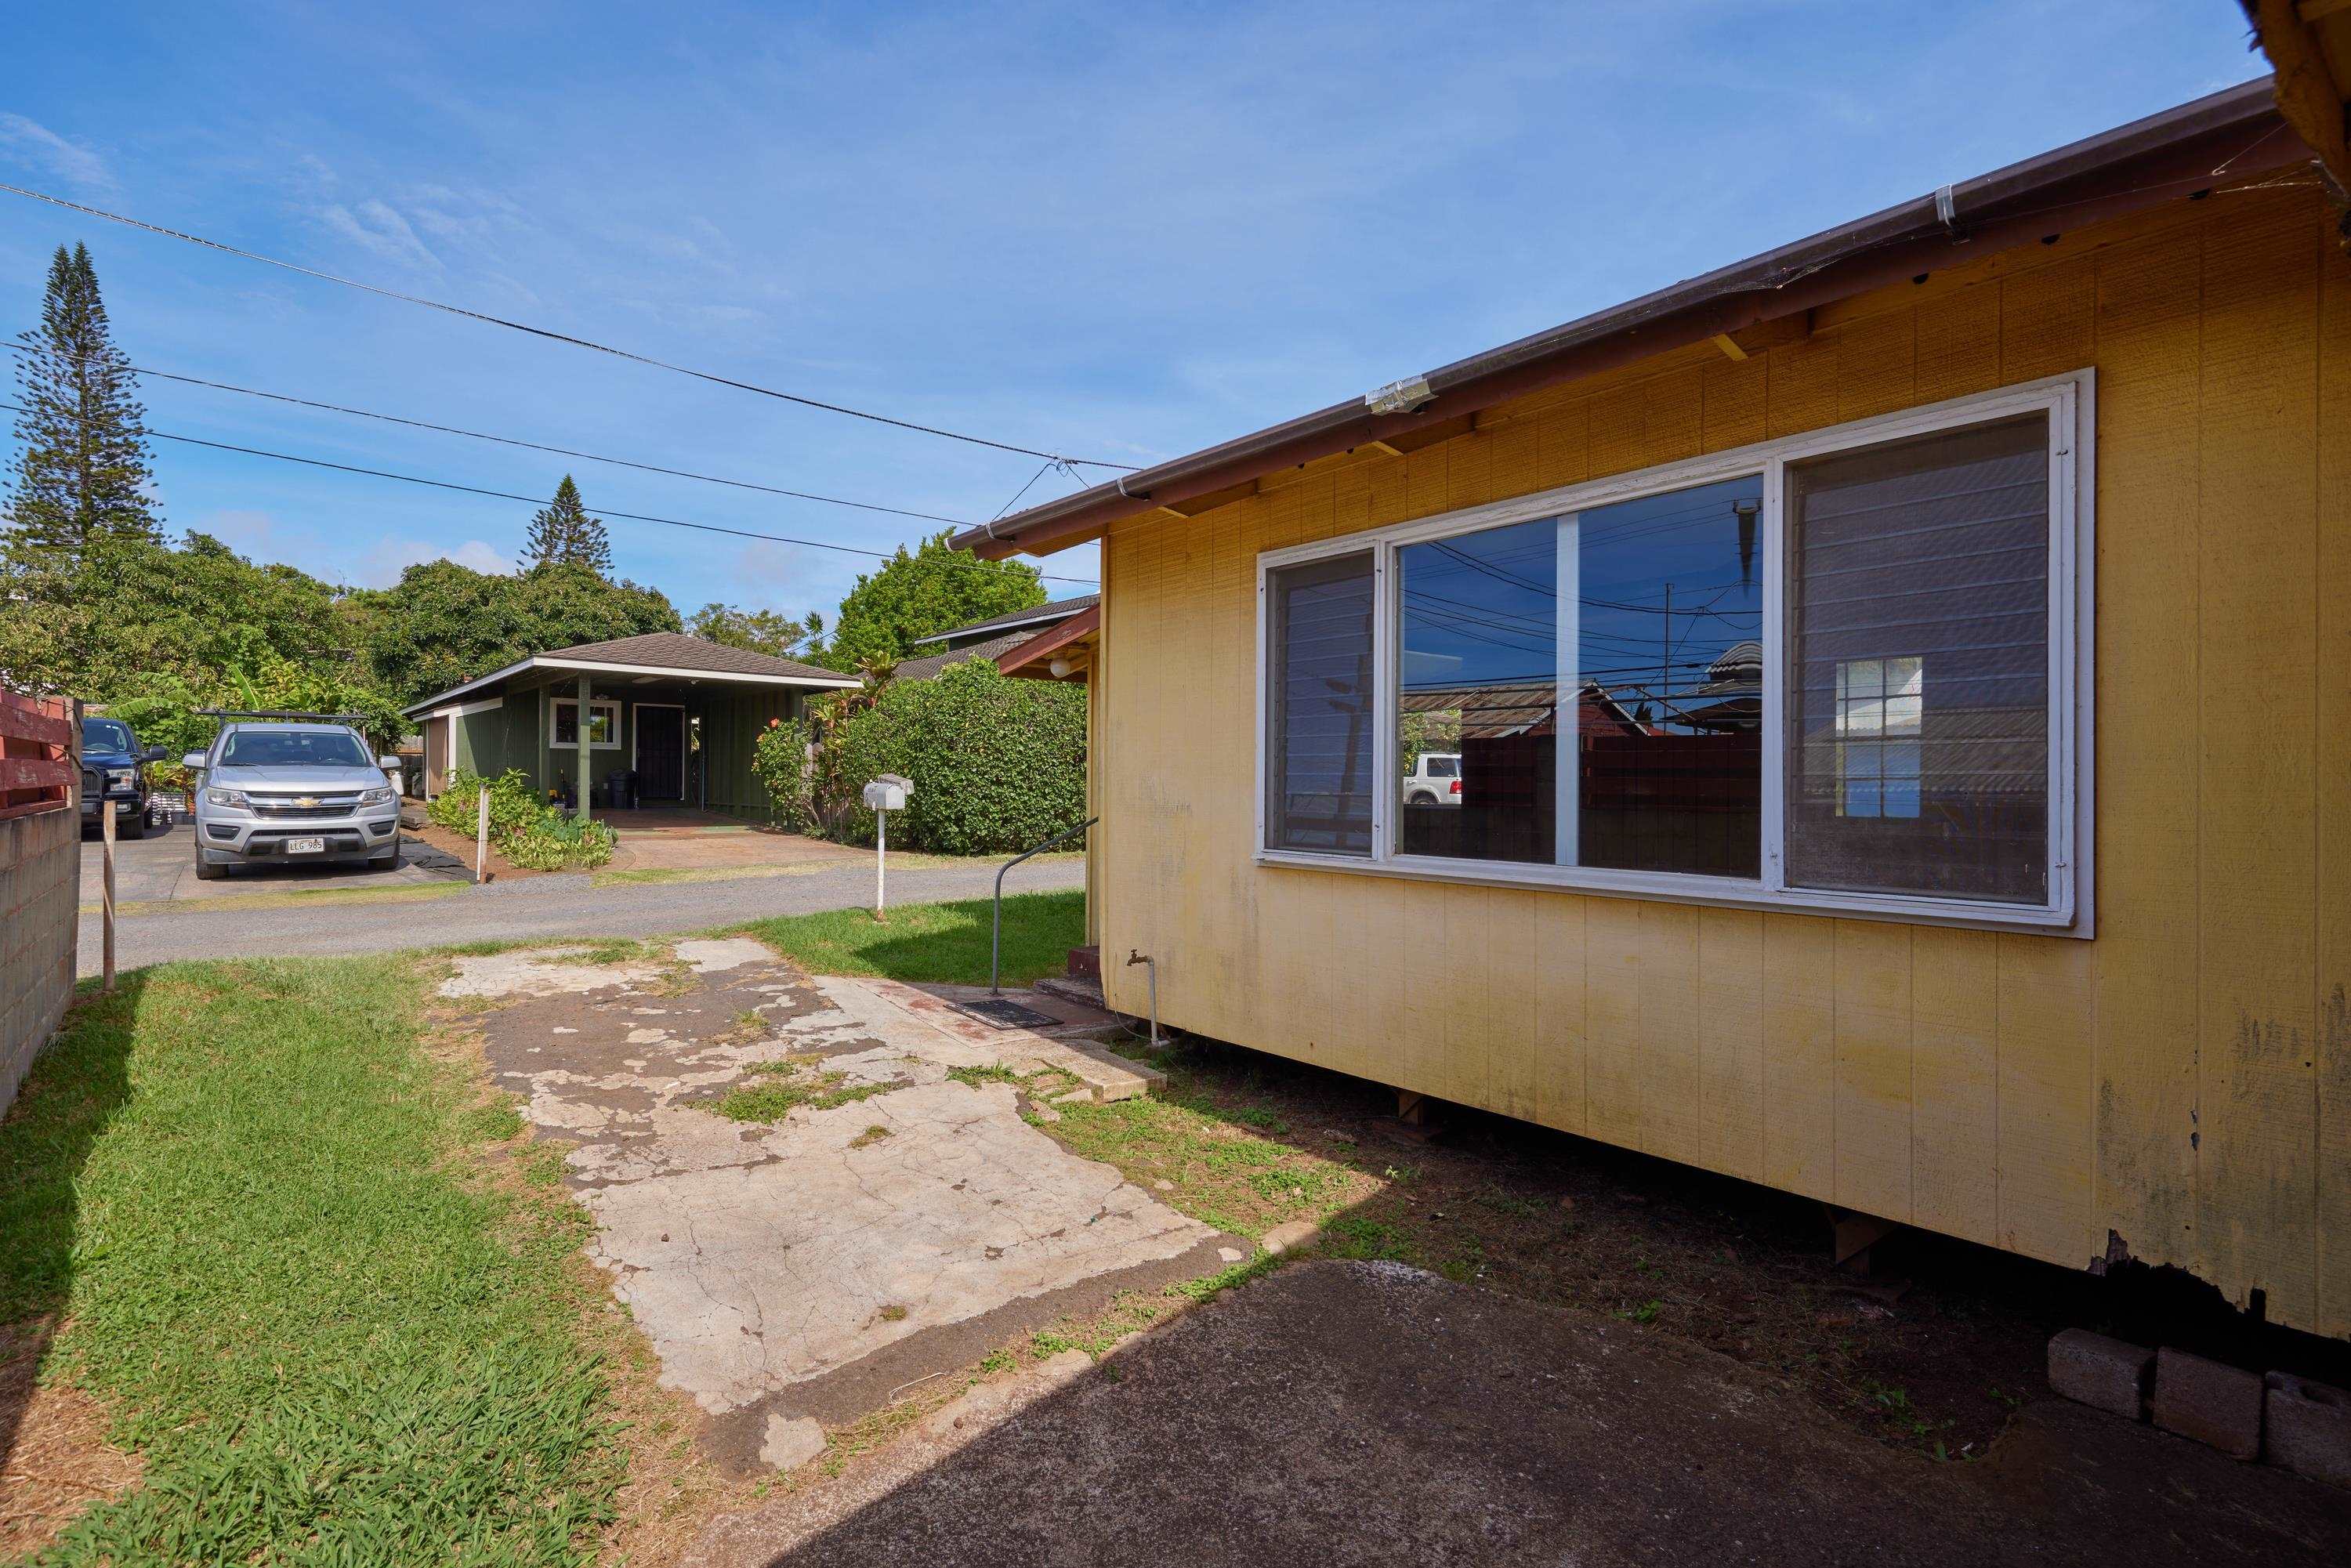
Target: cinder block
pixel 2108 1374
pixel 2208 1401
pixel 2309 1428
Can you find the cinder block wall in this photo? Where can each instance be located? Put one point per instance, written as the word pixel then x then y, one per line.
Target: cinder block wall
pixel 40 878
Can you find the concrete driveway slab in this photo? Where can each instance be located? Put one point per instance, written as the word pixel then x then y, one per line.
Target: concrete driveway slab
pixel 161 868
pixel 898 1224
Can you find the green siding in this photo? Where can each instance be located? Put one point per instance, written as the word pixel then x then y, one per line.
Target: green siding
pixel 731 722
pixel 490 742
pixel 516 734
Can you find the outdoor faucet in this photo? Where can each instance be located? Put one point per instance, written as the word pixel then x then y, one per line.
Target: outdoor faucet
pixel 1151 965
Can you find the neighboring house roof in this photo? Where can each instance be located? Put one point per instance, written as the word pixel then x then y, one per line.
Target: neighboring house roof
pixel 1032 660
pixel 653 653
pixel 1036 615
pixel 1520 707
pixel 2163 157
pixel 930 664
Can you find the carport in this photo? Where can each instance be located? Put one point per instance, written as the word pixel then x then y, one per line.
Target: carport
pixel 679 713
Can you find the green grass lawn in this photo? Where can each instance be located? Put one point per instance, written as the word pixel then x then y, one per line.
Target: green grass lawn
pixel 944 943
pixel 245 1191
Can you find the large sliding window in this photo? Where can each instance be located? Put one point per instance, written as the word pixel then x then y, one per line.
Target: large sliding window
pixel 1832 672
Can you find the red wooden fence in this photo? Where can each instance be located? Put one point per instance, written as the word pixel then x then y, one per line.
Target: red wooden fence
pixel 37 755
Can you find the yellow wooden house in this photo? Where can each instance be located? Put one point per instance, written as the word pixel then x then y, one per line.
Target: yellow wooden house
pixel 1874 720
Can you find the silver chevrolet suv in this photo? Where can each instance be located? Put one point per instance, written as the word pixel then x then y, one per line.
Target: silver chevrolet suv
pixel 274 792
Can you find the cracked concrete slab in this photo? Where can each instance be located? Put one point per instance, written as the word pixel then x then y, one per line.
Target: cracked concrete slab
pixel 811 1268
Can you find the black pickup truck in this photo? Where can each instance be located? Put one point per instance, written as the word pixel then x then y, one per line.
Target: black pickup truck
pixel 114 776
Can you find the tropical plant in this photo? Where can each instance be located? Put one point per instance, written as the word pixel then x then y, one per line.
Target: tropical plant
pixel 528 832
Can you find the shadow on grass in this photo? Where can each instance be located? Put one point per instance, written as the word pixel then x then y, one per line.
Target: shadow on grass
pixel 61 1111
pixel 938 944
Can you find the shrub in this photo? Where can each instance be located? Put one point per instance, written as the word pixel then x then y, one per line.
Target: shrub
pixel 529 833
pixel 997 764
pixel 560 840
pixel 780 760
pixel 514 805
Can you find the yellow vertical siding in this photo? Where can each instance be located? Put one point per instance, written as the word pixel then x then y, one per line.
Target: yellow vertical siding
pixel 2182 1081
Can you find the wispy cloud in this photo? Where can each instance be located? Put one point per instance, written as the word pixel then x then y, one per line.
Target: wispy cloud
pixel 30 141
pixel 376 227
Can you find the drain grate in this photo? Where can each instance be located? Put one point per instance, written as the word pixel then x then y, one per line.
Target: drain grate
pixel 1005 1013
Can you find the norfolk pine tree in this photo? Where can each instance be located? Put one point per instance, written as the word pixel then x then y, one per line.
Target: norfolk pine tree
pixel 562 531
pixel 82 470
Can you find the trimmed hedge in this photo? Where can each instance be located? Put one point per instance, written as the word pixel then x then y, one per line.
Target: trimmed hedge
pixel 997 764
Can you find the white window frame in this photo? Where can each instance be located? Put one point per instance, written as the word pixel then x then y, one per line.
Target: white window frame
pixel 2068 403
pixel 610 705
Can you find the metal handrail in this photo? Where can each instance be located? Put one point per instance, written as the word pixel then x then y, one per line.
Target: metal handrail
pixel 996 938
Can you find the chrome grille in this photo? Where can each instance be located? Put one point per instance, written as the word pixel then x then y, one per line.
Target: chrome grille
pixel 286 811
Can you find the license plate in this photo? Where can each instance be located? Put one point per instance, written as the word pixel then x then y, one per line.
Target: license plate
pixel 306 846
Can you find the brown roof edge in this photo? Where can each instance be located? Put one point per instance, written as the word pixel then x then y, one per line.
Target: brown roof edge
pixel 1028 660
pixel 2230 135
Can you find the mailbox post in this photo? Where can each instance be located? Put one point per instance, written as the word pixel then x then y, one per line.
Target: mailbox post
pixel 883 795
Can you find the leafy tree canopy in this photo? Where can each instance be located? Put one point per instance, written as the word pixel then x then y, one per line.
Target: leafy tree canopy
pixel 935 588
pixel 761 631
pixel 444 624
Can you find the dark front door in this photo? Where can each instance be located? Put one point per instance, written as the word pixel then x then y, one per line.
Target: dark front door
pixel 661 752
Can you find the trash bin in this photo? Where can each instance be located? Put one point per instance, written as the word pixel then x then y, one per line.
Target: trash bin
pixel 616 789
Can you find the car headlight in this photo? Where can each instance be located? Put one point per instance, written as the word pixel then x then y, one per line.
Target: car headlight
pixel 228 798
pixel 376 796
pixel 121 778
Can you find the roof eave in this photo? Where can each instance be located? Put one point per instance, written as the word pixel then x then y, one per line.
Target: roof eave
pixel 2230 135
pixel 607 666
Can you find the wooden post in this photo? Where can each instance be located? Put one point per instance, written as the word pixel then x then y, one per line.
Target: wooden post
pixel 585 726
pixel 880 860
pixel 482 839
pixel 106 836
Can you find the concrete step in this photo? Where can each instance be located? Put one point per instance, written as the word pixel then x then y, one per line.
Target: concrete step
pixel 1085 990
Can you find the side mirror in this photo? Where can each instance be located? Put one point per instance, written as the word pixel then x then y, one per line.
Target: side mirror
pixel 152 754
pixel 194 761
pixel 389 764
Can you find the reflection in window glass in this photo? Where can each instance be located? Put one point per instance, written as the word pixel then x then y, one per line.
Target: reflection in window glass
pixel 1319 718
pixel 1478 686
pixel 1917 706
pixel 1670 664
pixel 1878 707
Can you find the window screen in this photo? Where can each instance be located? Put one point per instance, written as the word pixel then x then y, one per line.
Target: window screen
pixel 1918 747
pixel 1319 707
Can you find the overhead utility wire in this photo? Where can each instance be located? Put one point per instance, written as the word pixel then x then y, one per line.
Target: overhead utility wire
pixel 513 440
pixel 554 336
pixel 530 500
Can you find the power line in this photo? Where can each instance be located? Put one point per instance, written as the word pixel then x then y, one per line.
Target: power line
pixel 503 440
pixel 554 336
pixel 531 500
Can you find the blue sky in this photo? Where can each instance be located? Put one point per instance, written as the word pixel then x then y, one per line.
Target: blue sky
pixel 1119 235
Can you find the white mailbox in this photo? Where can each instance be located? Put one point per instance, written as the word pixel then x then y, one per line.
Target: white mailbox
pixel 883 795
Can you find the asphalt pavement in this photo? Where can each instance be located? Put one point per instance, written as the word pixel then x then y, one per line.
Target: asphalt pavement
pixel 156 929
